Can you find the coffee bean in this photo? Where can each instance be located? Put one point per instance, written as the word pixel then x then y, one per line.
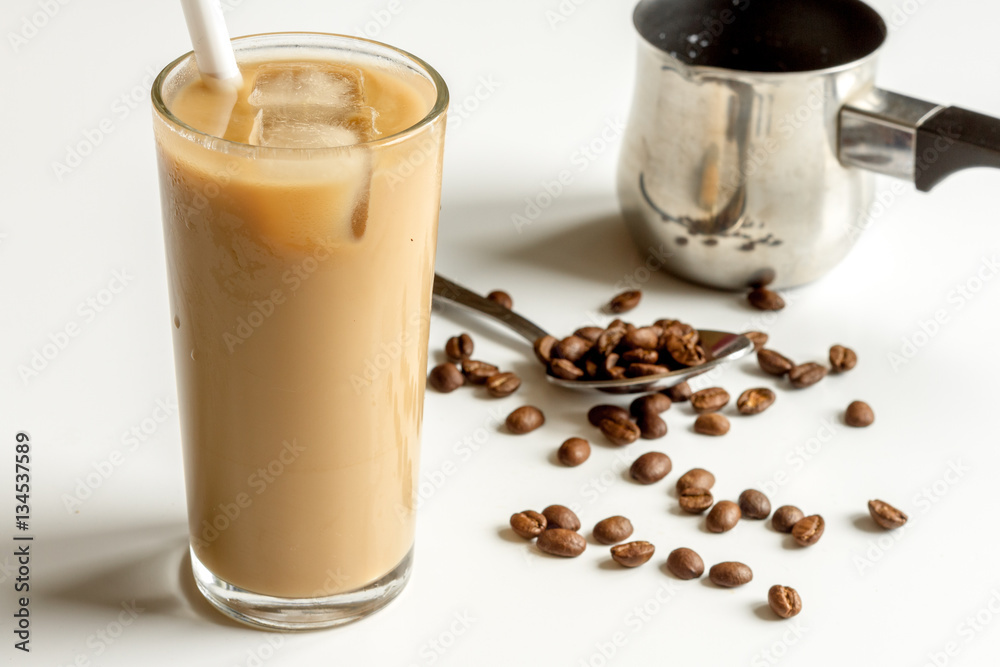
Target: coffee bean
pixel 785 517
pixel 613 530
pixel 762 298
pixel 859 415
pixel 784 601
pixel 730 574
pixel 503 384
pixel 886 515
pixel 565 369
pixel 589 334
pixel 620 432
pixel 639 356
pixel 654 403
pixel 599 413
pixel 642 370
pixel 696 477
pixel 645 338
pixel 525 420
pixel 711 424
pixel 695 500
pixel 571 348
pixel 543 348
pixel 528 524
pixel 502 298
pixel 624 302
pixel 616 373
pixel 758 338
pixel 685 564
pixel 685 350
pixel 723 517
pixel 650 468
pixel 755 401
pixel 807 531
pixel 754 504
pixel 560 516
pixel 561 542
pixel 806 375
pixel 709 400
pixel 632 554
pixel 842 359
pixel 446 378
pixel 478 372
pixel 651 426
pixel 573 452
pixel 459 348
pixel 609 340
pixel 679 393
pixel 773 363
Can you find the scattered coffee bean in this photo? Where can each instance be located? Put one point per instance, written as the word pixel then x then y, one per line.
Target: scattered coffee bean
pixel 525 420
pixel 561 542
pixel 754 504
pixel 762 298
pixel 624 302
pixel 571 348
pixel 859 415
pixel 650 468
pixel 685 564
pixel 806 375
pixel 543 348
pixel 758 338
pixel 599 413
pixel 785 517
pixel 695 500
pixel 723 517
pixel 711 424
pixel 632 554
pixel 589 334
pixel 709 400
pixel 842 359
pixel 459 348
pixel 565 369
pixel 528 524
pixel 807 531
pixel 784 601
pixel 886 515
pixel 651 426
pixel 446 378
pixel 613 530
pixel 502 298
pixel 773 363
pixel 696 477
pixel 478 372
pixel 560 516
pixel 502 384
pixel 573 452
pixel 620 432
pixel 653 403
pixel 730 574
pixel 679 393
pixel 755 401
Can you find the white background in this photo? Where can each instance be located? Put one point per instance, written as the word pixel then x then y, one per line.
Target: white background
pixel 477 596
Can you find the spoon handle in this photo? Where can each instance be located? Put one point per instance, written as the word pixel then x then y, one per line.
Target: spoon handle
pixel 449 291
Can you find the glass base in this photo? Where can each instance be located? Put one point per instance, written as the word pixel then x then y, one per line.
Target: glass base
pixel 276 613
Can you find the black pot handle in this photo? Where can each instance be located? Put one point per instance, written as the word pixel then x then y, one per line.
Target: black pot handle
pixel 954 139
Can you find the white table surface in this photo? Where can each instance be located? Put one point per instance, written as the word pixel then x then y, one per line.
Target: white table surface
pixel 478 597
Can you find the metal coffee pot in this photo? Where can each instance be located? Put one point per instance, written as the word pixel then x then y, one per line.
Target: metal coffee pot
pixel 755 132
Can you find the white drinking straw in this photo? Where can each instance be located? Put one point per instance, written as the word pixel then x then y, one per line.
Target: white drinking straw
pixel 213 52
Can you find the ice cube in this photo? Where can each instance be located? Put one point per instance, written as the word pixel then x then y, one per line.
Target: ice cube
pixel 294 83
pixel 307 127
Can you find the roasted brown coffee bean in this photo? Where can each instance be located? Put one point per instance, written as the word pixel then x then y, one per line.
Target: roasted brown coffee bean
pixel 502 298
pixel 599 413
pixel 679 393
pixel 613 530
pixel 620 432
pixel 561 542
pixel 723 517
pixel 785 517
pixel 543 348
pixel 709 400
pixel 528 524
pixel 677 328
pixel 642 370
pixel 632 554
pixel 503 384
pixel 560 516
pixel 773 363
pixel 591 369
pixel 459 348
pixel 589 334
pixel 754 504
pixel 650 468
pixel 609 340
pixel 572 348
pixel 645 338
pixel 758 338
pixel 624 302
pixel 784 601
pixel 730 574
pixel 695 500
pixel 886 515
pixel 655 403
pixel 762 298
pixel 565 369
pixel 711 423
pixel 616 373
pixel 696 477
pixel 842 358
pixel 685 351
pixel 639 356
pixel 755 401
pixel 806 375
pixel 446 377
pixel 525 420
pixel 651 426
pixel 478 372
pixel 573 452
pixel 807 531
pixel 859 414
pixel 685 564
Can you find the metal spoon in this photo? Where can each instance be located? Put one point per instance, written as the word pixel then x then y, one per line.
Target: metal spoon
pixel 720 347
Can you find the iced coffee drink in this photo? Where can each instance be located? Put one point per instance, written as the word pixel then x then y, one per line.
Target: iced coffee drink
pixel 300 248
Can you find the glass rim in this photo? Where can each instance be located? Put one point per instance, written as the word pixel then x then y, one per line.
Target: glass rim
pixel 438 109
